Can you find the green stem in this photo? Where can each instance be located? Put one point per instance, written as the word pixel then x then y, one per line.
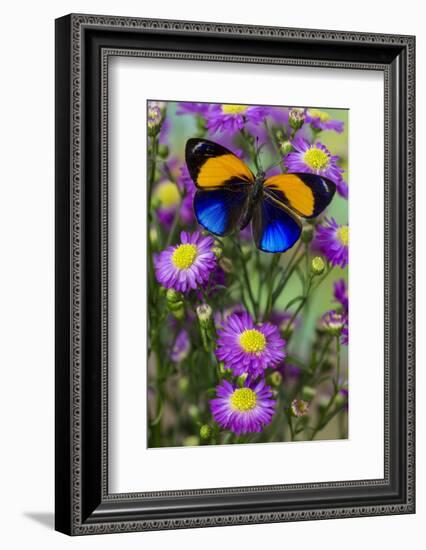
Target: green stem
pixel 290 424
pixel 259 270
pixel 323 354
pixel 275 145
pixel 323 420
pixel 287 273
pixel 253 302
pixel 300 306
pixel 269 302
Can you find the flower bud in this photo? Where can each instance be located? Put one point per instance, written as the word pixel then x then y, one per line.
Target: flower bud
pixel 333 322
pixel 163 151
pixel 307 234
pixel 205 431
pixel 285 147
pixel 207 328
pixel 299 408
pixel 317 265
pixel 173 296
pixel 275 378
pixel 153 235
pixel 193 411
pixel 308 393
pixel 341 398
pixel 296 118
pixel 217 251
pixel 204 314
pixel 154 120
pixel 183 384
pixel 175 303
pixel 279 134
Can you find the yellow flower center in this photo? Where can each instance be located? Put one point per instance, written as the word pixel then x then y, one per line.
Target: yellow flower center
pixel 252 341
pixel 234 109
pixel 343 235
pixel 168 194
pixel 184 255
pixel 316 159
pixel 315 113
pixel 243 399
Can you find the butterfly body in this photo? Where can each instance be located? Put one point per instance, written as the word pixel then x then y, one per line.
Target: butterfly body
pixel 229 196
pixel 255 195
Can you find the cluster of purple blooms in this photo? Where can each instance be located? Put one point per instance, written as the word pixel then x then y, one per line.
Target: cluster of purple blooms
pixel 244 348
pixel 244 403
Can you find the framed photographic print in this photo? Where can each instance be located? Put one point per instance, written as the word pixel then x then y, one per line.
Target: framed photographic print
pixel 225 353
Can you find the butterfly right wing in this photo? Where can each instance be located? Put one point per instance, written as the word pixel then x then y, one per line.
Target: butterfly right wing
pixel 306 194
pixel 275 228
pixel 223 183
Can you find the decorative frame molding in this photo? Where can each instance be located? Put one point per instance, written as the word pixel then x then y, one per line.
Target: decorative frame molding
pixel 84 43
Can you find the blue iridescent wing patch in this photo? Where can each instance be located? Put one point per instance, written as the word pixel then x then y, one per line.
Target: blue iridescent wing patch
pixel 275 228
pixel 220 210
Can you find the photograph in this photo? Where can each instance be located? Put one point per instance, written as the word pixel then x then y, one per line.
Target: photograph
pixel 224 353
pixel 248 262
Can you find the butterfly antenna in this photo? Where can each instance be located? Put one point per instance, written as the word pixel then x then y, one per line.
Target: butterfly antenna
pixel 257 152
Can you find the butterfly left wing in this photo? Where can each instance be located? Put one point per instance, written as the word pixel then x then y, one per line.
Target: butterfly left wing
pixel 211 165
pixel 306 194
pixel 223 182
pixel 220 210
pixel 275 228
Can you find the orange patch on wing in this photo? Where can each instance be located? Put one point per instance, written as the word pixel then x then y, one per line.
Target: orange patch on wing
pixel 217 170
pixel 299 196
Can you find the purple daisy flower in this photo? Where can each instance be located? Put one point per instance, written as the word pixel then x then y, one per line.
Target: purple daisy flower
pixel 248 348
pixel 181 347
pixel 320 120
pixel 187 265
pixel 243 410
pixel 333 241
pixel 313 159
pixel 233 118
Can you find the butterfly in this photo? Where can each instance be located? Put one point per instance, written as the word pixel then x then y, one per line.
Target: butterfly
pixel 229 196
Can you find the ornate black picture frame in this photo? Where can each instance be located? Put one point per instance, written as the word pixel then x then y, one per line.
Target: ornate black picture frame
pixel 83 45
